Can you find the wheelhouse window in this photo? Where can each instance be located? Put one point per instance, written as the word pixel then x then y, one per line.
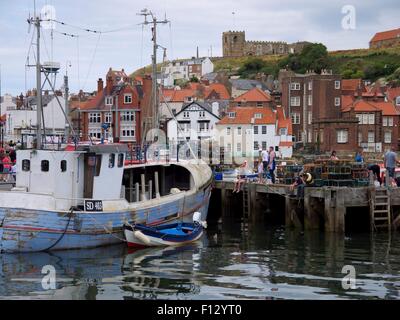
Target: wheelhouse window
pixel 63 165
pixel 111 161
pixel 45 166
pixel 26 165
pixel 120 160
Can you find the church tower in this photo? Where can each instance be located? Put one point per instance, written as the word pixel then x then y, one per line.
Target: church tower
pixel 233 43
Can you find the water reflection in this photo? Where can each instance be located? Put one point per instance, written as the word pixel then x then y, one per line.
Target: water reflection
pixel 233 261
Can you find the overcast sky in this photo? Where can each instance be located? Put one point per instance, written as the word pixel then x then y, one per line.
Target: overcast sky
pixel 193 23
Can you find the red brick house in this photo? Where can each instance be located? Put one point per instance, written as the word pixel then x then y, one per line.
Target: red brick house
pixel 378 124
pixel 253 98
pixel 118 106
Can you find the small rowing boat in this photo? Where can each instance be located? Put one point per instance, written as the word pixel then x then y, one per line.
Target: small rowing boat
pixel 139 235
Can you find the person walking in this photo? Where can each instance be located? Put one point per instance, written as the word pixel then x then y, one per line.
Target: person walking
pixel 390 164
pixel 272 163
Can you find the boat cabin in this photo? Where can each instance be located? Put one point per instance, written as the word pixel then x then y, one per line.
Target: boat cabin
pixel 90 172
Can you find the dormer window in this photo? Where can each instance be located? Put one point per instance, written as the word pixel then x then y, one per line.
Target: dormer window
pixel 259 104
pixel 258 116
pixel 109 101
pixel 127 98
pixel 232 115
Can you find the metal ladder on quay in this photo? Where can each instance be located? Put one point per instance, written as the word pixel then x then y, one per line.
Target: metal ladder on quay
pixel 380 209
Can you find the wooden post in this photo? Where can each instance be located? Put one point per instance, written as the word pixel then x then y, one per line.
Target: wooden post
pixel 311 218
pixel 143 193
pixel 340 212
pixel 137 191
pixel 329 210
pixel 131 186
pixel 150 189
pixel 156 184
pixel 372 194
pixel 291 217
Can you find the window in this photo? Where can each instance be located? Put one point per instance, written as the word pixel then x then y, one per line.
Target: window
pixel 295 86
pixel 337 101
pixel 111 160
pixel 259 104
pixel 109 101
pixel 342 136
pixel 97 162
pixel 295 118
pixel 388 137
pixel 231 115
pixel 295 101
pixel 120 160
pixel 283 131
pixel 128 132
pixel 202 114
pixel 228 131
pixel 203 126
pixel 310 85
pixel 26 165
pixel 229 147
pixel 371 118
pixel 310 99
pixel 108 117
pixel 365 118
pixel 255 129
pixel 95 133
pixel 264 129
pixel 127 116
pixel 127 98
pixel 337 84
pixel 371 136
pixel 255 145
pixel 264 145
pixel 186 114
pixel 309 117
pixel 63 165
pixel 94 117
pixel 359 117
pixel 258 115
pixel 45 165
pixel 239 147
pixel 239 104
pixel 387 121
pixel 239 131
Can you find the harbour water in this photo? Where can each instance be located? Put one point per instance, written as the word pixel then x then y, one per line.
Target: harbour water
pixel 233 261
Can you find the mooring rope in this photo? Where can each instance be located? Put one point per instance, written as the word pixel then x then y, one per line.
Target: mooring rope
pixel 63 234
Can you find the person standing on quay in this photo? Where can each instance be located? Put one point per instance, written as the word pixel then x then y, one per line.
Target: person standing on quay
pixel 390 163
pixel 272 163
pixel 265 160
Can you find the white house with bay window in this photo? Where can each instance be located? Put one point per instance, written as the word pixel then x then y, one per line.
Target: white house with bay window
pixel 194 122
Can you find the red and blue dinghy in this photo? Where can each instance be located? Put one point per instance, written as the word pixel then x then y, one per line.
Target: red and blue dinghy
pixel 139 235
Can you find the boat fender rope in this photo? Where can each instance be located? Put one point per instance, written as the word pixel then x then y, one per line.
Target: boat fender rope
pixel 71 213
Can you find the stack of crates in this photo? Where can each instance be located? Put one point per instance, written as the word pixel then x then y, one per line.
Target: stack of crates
pixel 287 173
pixel 360 174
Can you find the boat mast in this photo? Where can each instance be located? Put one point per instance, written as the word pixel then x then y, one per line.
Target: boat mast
pixel 38 87
pixel 153 119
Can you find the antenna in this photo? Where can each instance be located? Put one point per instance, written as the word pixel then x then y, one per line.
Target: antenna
pixel 153 118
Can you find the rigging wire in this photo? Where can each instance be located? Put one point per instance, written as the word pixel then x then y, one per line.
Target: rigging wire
pixel 91 62
pixel 129 27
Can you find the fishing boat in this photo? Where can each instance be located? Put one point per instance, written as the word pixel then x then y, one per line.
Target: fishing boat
pixel 175 234
pixel 81 198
